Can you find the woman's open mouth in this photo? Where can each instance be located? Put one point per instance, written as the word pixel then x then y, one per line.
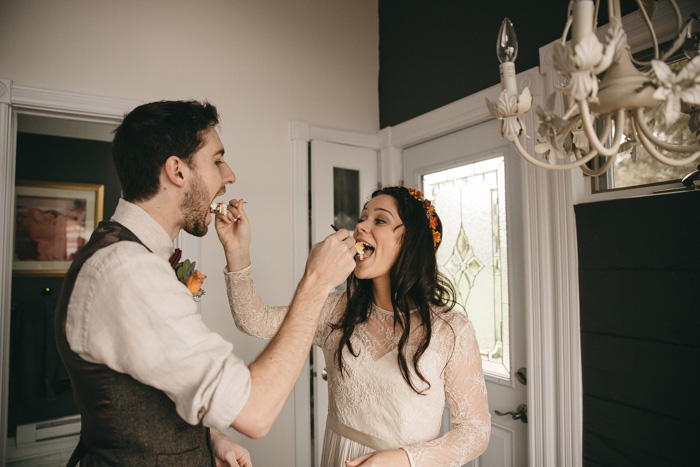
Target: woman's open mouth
pixel 364 251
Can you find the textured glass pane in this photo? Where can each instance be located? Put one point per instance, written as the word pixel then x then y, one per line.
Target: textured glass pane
pixel 346 197
pixel 470 200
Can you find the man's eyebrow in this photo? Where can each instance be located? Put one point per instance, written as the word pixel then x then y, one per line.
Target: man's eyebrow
pixel 220 152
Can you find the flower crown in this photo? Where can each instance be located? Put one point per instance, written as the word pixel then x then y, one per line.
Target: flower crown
pixel 429 213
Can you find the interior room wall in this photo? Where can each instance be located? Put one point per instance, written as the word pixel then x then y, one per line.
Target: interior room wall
pixel 262 63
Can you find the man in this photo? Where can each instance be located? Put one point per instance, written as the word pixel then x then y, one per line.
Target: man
pixel 148 375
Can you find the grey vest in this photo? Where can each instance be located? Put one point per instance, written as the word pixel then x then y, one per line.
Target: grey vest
pixel 124 422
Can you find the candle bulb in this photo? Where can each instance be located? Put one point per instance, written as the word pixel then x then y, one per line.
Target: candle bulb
pixel 584 11
pixel 507 50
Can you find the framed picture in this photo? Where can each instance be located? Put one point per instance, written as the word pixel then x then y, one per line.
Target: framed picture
pixel 52 222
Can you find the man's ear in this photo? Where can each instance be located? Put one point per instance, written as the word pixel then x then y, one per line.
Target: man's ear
pixel 175 170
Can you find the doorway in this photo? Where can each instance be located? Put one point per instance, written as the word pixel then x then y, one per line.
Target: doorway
pixel 473 179
pixel 28 110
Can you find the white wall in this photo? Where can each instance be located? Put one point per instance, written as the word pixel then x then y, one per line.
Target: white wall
pixel 261 62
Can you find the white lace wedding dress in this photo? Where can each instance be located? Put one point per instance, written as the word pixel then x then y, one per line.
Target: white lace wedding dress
pixel 371 406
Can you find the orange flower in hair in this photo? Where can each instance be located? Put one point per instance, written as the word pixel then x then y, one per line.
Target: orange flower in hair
pixel 429 213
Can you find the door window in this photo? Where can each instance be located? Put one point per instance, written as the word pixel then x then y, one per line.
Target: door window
pixel 471 202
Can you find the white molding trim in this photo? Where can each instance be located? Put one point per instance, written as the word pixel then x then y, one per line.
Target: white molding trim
pixel 7 200
pixel 14 99
pixel 349 138
pixel 390 162
pixel 299 133
pixel 71 104
pixel 452 117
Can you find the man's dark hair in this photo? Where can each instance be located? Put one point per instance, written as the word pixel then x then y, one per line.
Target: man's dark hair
pixel 150 134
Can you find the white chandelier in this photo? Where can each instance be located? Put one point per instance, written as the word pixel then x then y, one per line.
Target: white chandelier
pixel 620 99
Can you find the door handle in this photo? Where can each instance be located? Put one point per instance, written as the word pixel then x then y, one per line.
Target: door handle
pixel 519 414
pixel 324 375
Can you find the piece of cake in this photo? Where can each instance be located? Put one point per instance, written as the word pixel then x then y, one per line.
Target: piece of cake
pixel 218 208
pixel 360 248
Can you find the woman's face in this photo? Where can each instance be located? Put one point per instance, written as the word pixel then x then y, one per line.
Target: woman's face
pixel 380 229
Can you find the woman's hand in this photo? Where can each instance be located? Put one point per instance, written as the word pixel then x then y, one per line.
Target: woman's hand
pixel 233 230
pixel 227 453
pixel 387 458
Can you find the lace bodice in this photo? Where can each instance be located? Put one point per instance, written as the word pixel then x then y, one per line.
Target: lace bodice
pixel 372 395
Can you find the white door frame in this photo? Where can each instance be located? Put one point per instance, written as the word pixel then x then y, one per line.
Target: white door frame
pixel 16 98
pixel 553 350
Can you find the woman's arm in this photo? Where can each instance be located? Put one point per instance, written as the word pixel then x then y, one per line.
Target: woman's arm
pixel 249 312
pixel 251 315
pixel 465 390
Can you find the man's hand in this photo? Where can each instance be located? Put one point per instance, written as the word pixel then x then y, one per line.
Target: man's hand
pixel 228 453
pixel 332 260
pixel 386 458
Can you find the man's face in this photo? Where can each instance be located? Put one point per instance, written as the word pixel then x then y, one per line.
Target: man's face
pixel 208 179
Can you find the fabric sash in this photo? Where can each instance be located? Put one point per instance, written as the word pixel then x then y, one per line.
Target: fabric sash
pixel 359 437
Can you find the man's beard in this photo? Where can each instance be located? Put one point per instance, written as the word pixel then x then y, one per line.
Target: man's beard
pixel 193 208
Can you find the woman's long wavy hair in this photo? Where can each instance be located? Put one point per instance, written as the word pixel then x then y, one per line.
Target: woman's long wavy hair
pixel 416 284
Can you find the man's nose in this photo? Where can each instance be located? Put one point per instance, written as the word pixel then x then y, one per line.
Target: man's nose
pixel 229 176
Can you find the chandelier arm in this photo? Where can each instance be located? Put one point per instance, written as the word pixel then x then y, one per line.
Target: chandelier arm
pixel 607 125
pixel 679 16
pixel 639 62
pixel 594 172
pixel 650 27
pixel 569 22
pixel 543 165
pixel 593 137
pixel 641 125
pixel 595 15
pixel 570 110
pixel 664 159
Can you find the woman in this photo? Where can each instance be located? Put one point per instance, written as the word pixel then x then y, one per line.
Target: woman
pixel 395 349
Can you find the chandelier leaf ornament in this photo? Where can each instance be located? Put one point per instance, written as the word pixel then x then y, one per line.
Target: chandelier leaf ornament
pixel 619 100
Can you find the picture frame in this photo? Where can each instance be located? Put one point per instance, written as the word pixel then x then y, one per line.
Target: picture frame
pixel 53 220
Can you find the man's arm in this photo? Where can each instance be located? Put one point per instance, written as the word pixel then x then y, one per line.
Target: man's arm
pixel 274 373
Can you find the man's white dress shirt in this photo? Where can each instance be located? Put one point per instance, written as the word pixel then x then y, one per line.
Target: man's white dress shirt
pixel 128 311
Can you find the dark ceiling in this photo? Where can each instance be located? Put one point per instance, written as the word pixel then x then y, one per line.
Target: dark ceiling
pixel 435 52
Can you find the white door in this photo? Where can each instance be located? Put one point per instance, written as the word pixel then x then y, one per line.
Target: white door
pixel 473 179
pixel 342 179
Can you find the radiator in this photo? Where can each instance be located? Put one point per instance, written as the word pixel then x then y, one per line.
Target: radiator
pixel 33 433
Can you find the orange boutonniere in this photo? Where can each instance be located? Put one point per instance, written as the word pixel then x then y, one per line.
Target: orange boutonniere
pixel 191 277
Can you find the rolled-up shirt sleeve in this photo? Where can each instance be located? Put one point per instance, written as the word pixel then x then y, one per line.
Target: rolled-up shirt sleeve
pixel 129 312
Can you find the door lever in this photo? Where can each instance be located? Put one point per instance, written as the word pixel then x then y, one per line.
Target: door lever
pixel 519 414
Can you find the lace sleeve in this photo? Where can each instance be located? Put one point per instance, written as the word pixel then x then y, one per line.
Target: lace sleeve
pixel 257 319
pixel 249 312
pixel 465 390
